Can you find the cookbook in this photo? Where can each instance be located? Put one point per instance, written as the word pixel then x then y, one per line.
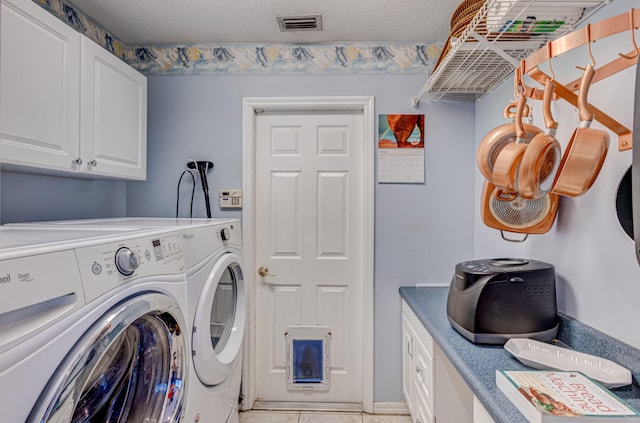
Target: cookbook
pixel 559 396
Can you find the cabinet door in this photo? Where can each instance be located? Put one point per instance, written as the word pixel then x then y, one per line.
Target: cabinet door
pixel 408 367
pixel 417 367
pixel 423 362
pixel 39 74
pixel 113 115
pixel 423 414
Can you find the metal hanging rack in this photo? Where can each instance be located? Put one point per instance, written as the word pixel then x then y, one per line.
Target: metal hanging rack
pixel 500 35
pixel 584 37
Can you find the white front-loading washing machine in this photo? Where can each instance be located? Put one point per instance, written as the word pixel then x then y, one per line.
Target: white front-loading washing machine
pixel 92 326
pixel 215 308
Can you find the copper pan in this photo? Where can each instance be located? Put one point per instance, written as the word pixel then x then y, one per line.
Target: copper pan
pixel 586 151
pixel 511 213
pixel 541 159
pixel 505 168
pixel 496 139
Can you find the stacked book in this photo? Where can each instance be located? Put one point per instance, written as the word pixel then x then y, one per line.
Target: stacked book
pixel 559 396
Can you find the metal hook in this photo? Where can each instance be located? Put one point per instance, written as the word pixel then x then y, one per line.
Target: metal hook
pixel 593 61
pixel 632 29
pixel 516 83
pixel 553 74
pixel 521 90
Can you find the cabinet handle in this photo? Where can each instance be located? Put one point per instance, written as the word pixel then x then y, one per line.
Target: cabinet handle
pixel 419 369
pixel 77 162
pixel 409 349
pixel 92 163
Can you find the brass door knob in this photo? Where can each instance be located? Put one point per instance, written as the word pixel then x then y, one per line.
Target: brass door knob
pixel 264 271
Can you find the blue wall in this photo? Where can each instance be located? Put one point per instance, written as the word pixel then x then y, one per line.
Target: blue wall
pixel 33 197
pixel 422 230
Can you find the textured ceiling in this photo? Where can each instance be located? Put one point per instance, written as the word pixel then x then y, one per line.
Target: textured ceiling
pixel 155 22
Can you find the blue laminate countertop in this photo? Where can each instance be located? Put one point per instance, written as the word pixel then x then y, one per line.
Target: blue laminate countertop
pixel 477 363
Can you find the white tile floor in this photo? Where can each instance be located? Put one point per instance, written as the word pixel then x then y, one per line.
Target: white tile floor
pixel 317 417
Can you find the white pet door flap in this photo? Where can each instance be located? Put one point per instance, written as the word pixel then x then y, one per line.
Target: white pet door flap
pixel 308 358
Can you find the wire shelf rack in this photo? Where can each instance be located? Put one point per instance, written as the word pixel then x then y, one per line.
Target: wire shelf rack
pixel 502 33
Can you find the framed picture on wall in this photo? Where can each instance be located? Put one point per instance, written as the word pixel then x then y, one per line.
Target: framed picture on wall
pixel 401 148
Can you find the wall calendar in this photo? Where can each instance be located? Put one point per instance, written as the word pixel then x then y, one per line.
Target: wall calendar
pixel 401 149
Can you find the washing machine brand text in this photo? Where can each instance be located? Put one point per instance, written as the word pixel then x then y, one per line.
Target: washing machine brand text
pixel 5 278
pixel 24 277
pixel 187 237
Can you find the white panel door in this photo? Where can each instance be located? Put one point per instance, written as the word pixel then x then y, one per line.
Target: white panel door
pixel 114 115
pixel 39 74
pixel 309 226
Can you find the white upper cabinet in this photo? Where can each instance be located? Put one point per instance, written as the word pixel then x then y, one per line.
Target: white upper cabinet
pixel 113 111
pixel 39 77
pixel 68 105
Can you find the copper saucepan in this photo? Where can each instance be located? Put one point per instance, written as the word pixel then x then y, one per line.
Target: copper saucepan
pixel 505 168
pixel 495 140
pixel 586 151
pixel 541 159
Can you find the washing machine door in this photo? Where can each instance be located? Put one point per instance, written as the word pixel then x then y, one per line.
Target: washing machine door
pixel 218 327
pixel 129 367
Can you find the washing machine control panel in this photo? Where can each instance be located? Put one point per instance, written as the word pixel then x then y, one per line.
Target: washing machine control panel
pixel 107 266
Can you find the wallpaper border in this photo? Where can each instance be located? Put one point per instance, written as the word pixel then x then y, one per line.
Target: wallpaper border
pixel 255 59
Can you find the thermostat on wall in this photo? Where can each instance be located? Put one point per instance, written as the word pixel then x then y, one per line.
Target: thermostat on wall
pixel 231 198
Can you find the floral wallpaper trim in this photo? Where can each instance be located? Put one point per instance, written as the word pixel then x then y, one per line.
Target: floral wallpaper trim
pixel 263 59
pixel 85 25
pixel 286 59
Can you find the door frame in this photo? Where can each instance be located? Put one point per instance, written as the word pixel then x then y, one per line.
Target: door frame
pixel 251 106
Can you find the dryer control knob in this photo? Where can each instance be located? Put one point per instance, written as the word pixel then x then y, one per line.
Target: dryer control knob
pixel 126 261
pixel 225 234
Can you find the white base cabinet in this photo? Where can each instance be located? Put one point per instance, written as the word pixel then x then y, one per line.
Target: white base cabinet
pixel 417 367
pixel 433 389
pixel 67 104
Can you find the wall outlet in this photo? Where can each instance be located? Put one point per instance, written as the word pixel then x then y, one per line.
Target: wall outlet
pixel 231 198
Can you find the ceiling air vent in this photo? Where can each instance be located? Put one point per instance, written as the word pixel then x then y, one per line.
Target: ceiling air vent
pixel 300 23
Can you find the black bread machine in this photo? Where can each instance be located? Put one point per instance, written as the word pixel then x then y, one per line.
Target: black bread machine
pixel 492 300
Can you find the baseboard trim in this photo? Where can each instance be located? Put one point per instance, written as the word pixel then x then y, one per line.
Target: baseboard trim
pixel 307 406
pixel 394 408
pixel 388 407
